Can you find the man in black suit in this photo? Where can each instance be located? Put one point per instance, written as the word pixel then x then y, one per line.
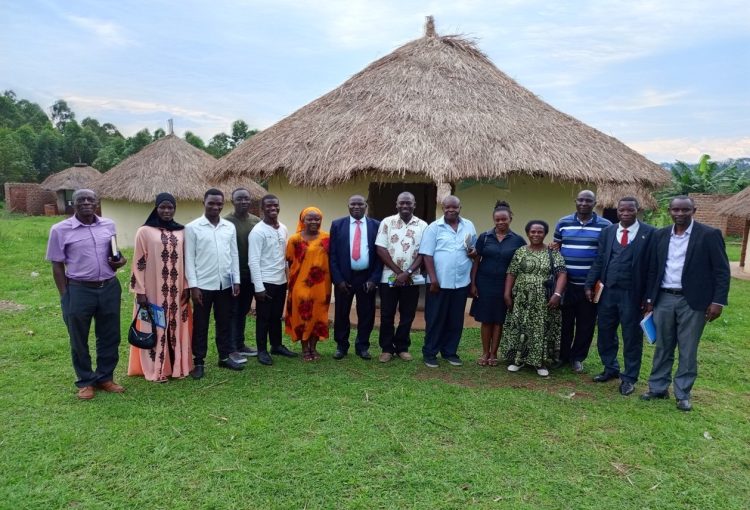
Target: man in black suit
pixel 355 271
pixel 687 286
pixel 620 265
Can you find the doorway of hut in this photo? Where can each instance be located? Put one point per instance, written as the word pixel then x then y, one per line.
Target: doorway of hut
pixel 381 199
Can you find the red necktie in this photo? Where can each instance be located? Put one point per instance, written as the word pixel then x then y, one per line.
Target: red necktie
pixel 624 238
pixel 357 240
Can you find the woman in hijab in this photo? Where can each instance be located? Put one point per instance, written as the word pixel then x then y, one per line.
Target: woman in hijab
pixel 158 278
pixel 309 283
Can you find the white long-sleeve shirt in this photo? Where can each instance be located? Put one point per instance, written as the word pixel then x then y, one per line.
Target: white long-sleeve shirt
pixel 266 257
pixel 211 258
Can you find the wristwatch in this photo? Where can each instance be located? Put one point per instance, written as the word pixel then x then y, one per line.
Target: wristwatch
pixel 409 271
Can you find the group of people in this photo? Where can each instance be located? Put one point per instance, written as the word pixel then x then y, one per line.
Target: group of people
pixel 538 303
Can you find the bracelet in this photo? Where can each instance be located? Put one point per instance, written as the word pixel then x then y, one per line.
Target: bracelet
pixel 557 294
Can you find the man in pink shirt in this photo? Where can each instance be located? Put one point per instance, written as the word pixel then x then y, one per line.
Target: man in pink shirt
pixel 83 267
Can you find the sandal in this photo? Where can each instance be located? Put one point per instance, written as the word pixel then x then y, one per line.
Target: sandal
pixel 308 356
pixel 482 361
pixel 492 362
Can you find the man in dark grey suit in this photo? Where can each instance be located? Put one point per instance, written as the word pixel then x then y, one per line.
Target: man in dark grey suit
pixel 688 284
pixel 620 265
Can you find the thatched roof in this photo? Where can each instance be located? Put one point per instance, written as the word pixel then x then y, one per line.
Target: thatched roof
pixel 608 195
pixel 437 107
pixel 169 164
pixel 737 205
pixel 76 177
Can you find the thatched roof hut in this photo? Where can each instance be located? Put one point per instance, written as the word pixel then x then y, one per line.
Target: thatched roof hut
pixel 608 195
pixel 737 205
pixel 439 108
pixel 169 164
pixel 76 177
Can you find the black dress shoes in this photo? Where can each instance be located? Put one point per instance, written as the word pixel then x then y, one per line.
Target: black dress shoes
pixel 339 354
pixel 684 405
pixel 230 364
pixel 653 395
pixel 264 358
pixel 283 351
pixel 605 376
pixel 365 355
pixel 197 372
pixel 626 388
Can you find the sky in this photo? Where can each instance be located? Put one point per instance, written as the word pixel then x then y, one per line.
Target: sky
pixel 670 78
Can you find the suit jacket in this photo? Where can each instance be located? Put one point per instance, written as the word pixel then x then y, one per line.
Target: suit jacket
pixel 340 257
pixel 640 245
pixel 705 275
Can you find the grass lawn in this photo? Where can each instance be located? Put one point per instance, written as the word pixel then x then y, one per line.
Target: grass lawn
pixel 354 434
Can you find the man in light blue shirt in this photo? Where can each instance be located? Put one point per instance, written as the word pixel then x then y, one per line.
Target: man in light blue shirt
pixel 446 246
pixel 212 266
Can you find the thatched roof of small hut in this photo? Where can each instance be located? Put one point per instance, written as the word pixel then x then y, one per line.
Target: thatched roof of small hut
pixel 171 165
pixel 608 195
pixel 76 177
pixel 436 107
pixel 737 205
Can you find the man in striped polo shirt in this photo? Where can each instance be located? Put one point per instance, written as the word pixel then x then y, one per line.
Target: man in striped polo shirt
pixel 577 238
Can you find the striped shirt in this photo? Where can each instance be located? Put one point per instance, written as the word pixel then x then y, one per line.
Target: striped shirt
pixel 579 244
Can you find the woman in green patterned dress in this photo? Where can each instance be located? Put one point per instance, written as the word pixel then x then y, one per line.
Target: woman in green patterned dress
pixel 532 329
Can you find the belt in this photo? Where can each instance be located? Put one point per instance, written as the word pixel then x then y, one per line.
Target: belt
pixel 675 292
pixel 360 271
pixel 91 285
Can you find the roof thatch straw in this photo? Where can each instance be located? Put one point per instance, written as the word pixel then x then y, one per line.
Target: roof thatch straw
pixel 437 107
pixel 169 164
pixel 608 195
pixel 76 177
pixel 737 205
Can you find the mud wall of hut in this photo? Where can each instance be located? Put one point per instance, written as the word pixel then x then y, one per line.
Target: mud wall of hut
pixel 27 197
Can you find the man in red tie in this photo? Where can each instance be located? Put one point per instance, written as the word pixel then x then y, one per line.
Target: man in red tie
pixel 621 266
pixel 355 271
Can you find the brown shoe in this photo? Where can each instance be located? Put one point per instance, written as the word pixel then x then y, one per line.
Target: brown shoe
pixel 86 393
pixel 405 356
pixel 385 357
pixel 111 387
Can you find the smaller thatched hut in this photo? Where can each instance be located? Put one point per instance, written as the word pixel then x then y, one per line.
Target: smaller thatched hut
pixel 171 165
pixel 65 182
pixel 739 205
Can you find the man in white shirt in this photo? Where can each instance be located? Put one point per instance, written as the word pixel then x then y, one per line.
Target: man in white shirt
pixel 267 245
pixel 398 247
pixel 212 267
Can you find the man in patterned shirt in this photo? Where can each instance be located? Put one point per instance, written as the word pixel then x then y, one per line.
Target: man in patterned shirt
pixel 577 238
pixel 397 245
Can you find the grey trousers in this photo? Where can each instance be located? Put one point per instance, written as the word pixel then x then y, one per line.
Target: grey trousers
pixel 677 325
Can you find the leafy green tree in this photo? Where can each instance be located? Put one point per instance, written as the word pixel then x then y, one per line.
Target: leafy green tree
pixel 15 161
pixel 159 133
pixel 110 155
pixel 137 142
pixel 61 114
pixel 194 140
pixel 10 117
pixel 47 155
pixel 33 115
pixel 220 145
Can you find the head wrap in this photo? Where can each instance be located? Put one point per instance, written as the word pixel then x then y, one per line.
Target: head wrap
pixel 305 211
pixel 155 221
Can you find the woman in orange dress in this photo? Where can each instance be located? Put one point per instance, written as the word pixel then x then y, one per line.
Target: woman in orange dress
pixel 309 283
pixel 158 277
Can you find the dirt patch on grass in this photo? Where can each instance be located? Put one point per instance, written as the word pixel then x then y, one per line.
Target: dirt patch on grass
pixel 490 379
pixel 10 306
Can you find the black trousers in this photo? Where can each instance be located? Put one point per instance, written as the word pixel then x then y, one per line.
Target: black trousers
pixel 617 307
pixel 240 309
pixel 81 304
pixel 365 313
pixel 268 317
pixel 578 321
pixel 394 340
pixel 444 321
pixel 221 302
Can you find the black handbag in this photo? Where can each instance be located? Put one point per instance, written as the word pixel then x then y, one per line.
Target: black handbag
pixel 138 338
pixel 551 281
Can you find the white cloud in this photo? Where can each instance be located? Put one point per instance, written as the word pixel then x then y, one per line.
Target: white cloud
pixel 109 33
pixel 141 107
pixel 691 149
pixel 645 99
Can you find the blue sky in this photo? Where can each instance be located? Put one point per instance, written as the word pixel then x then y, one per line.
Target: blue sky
pixel 669 78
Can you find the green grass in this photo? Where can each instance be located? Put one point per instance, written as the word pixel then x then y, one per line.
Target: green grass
pixel 353 434
pixel 734 247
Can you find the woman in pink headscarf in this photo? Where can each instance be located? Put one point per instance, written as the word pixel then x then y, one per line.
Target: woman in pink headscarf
pixel 309 293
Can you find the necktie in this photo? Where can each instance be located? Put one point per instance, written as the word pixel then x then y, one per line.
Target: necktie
pixel 624 238
pixel 357 240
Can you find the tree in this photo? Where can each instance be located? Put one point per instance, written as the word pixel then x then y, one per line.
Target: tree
pixel 194 140
pixel 220 145
pixel 137 142
pixel 47 155
pixel 159 133
pixel 110 155
pixel 15 160
pixel 61 114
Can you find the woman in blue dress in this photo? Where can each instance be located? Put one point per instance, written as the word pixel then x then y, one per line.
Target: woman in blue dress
pixel 495 249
